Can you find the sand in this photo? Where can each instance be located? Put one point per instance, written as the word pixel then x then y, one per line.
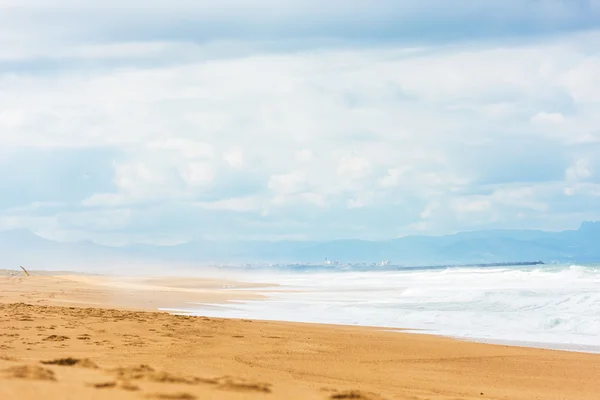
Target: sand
pixel 88 337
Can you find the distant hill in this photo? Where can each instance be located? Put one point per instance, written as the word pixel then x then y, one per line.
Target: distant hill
pixel 21 247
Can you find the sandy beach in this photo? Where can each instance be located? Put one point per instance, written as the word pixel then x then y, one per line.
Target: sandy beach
pixel 93 337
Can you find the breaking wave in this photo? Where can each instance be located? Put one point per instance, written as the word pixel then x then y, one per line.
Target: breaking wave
pixel 548 305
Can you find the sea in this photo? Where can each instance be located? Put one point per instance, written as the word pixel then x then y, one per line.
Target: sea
pixel 549 306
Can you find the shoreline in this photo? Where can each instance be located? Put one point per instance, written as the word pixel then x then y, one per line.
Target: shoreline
pixel 64 335
pixel 573 348
pixel 216 293
pixel 203 309
pixel 567 347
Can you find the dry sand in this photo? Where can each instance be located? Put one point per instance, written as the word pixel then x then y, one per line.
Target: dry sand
pixel 84 337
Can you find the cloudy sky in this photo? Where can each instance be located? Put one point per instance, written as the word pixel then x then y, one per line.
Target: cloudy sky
pixel 165 121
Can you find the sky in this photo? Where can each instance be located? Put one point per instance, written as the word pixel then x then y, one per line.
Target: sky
pixel 167 121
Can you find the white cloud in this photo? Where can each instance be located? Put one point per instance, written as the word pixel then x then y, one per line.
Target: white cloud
pixel 361 200
pixel 269 132
pixel 472 206
pixel 582 80
pixel 393 176
pixel 579 170
pixel 429 210
pixel 583 189
pixel 290 183
pixel 186 147
pixel 142 179
pixel 520 197
pixel 353 167
pixel 235 158
pixel 547 118
pixel 304 156
pixel 198 174
pixel 240 204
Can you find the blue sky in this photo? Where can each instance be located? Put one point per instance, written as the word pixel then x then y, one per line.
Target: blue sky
pixel 122 122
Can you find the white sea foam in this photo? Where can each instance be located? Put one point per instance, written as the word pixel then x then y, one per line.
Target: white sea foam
pixel 556 306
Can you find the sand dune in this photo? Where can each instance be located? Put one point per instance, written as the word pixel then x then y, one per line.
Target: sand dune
pixel 53 351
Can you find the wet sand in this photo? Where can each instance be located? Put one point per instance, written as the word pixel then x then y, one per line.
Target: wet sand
pixel 92 337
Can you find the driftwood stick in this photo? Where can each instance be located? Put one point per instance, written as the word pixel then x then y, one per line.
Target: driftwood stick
pixel 24 270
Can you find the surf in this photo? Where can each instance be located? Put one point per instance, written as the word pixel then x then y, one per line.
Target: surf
pixel 549 305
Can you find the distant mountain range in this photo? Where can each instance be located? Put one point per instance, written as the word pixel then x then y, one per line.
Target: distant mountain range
pixel 21 247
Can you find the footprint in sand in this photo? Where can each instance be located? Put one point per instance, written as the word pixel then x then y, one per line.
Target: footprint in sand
pixel 355 395
pixel 241 385
pixel 113 384
pixel 104 385
pixel 174 396
pixel 128 386
pixel 32 372
pixel 68 362
pixel 145 372
pixel 56 338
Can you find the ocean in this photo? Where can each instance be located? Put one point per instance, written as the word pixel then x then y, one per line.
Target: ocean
pixel 553 306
